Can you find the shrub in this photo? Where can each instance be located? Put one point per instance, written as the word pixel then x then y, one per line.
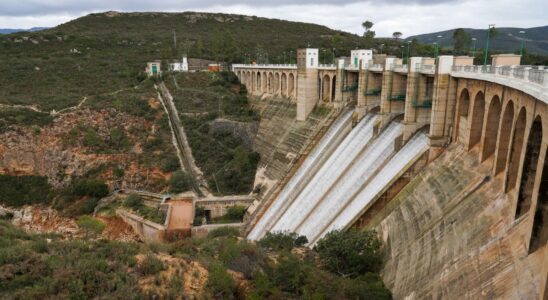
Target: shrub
pixel 282 240
pixel 224 231
pixel 90 187
pixel 367 286
pixel 91 225
pixel 179 182
pixel 151 265
pixel 220 283
pixel 133 201
pixel 236 212
pixel 170 164
pixel 350 253
pixel 23 190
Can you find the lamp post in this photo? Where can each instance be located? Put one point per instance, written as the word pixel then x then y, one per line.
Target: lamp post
pixel 487 44
pixel 408 45
pixel 290 56
pixel 381 46
pixel 333 55
pixel 284 57
pixel 522 33
pixel 401 53
pixel 323 51
pixel 474 47
pixel 436 44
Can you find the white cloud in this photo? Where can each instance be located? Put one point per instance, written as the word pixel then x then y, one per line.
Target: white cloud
pixel 413 17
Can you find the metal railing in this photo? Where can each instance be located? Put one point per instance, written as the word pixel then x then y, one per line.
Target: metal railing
pixel 400 68
pixel 265 66
pixel 533 74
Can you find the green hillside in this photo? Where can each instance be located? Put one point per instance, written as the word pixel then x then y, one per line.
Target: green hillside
pixel 507 40
pixel 104 52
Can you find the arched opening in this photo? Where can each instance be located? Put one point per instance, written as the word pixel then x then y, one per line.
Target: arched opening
pixel 264 84
pixel 258 84
pixel 284 85
pixel 504 137
pixel 515 150
pixel 248 79
pixel 326 89
pixel 539 234
pixel 491 128
pixel 270 86
pixel 462 116
pixel 477 120
pixel 253 81
pixel 333 87
pixel 529 170
pixel 291 85
pixel 276 89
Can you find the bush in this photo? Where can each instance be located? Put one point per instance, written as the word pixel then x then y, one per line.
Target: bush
pixel 170 164
pixel 151 265
pixel 133 201
pixel 282 240
pixel 236 213
pixel 91 225
pixel 350 253
pixel 220 283
pixel 224 231
pixel 90 187
pixel 179 182
pixel 23 190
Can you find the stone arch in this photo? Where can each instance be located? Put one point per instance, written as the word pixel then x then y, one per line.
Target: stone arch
pixel 264 83
pixel 258 84
pixel 333 87
pixel 291 84
pixel 270 83
pixel 276 87
pixel 491 128
pixel 515 150
pixel 284 85
pixel 326 88
pixel 248 79
pixel 253 80
pixel 529 170
pixel 504 137
pixel 462 115
pixel 539 234
pixel 476 126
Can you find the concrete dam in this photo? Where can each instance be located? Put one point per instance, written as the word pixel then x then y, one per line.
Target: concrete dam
pixel 445 160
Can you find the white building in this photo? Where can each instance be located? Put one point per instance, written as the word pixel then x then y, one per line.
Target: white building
pixel 179 66
pixel 154 68
pixel 360 55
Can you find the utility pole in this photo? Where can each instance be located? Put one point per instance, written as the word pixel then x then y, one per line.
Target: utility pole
pixel 474 47
pixel 522 33
pixel 487 44
pixel 408 45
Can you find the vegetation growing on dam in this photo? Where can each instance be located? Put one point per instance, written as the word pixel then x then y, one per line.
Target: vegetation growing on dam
pixel 40 265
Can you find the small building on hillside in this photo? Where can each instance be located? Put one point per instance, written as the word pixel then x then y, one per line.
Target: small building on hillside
pixel 154 68
pixel 179 65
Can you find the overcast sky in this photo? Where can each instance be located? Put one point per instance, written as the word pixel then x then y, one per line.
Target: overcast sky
pixel 408 16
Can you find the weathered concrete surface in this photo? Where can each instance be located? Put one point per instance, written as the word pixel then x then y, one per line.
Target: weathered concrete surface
pixel 450 234
pixel 147 230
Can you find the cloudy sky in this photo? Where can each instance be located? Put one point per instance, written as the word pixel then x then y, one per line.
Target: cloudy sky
pixel 408 16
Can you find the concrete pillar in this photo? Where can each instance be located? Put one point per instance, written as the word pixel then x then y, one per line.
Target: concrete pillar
pixel 307 82
pixel 362 86
pixel 337 102
pixel 386 86
pixel 413 77
pixel 443 102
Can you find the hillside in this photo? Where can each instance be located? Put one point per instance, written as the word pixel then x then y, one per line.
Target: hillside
pixel 104 52
pixel 12 30
pixel 508 39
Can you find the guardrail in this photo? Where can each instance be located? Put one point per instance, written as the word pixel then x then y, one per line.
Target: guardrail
pixel 264 66
pixel 533 74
